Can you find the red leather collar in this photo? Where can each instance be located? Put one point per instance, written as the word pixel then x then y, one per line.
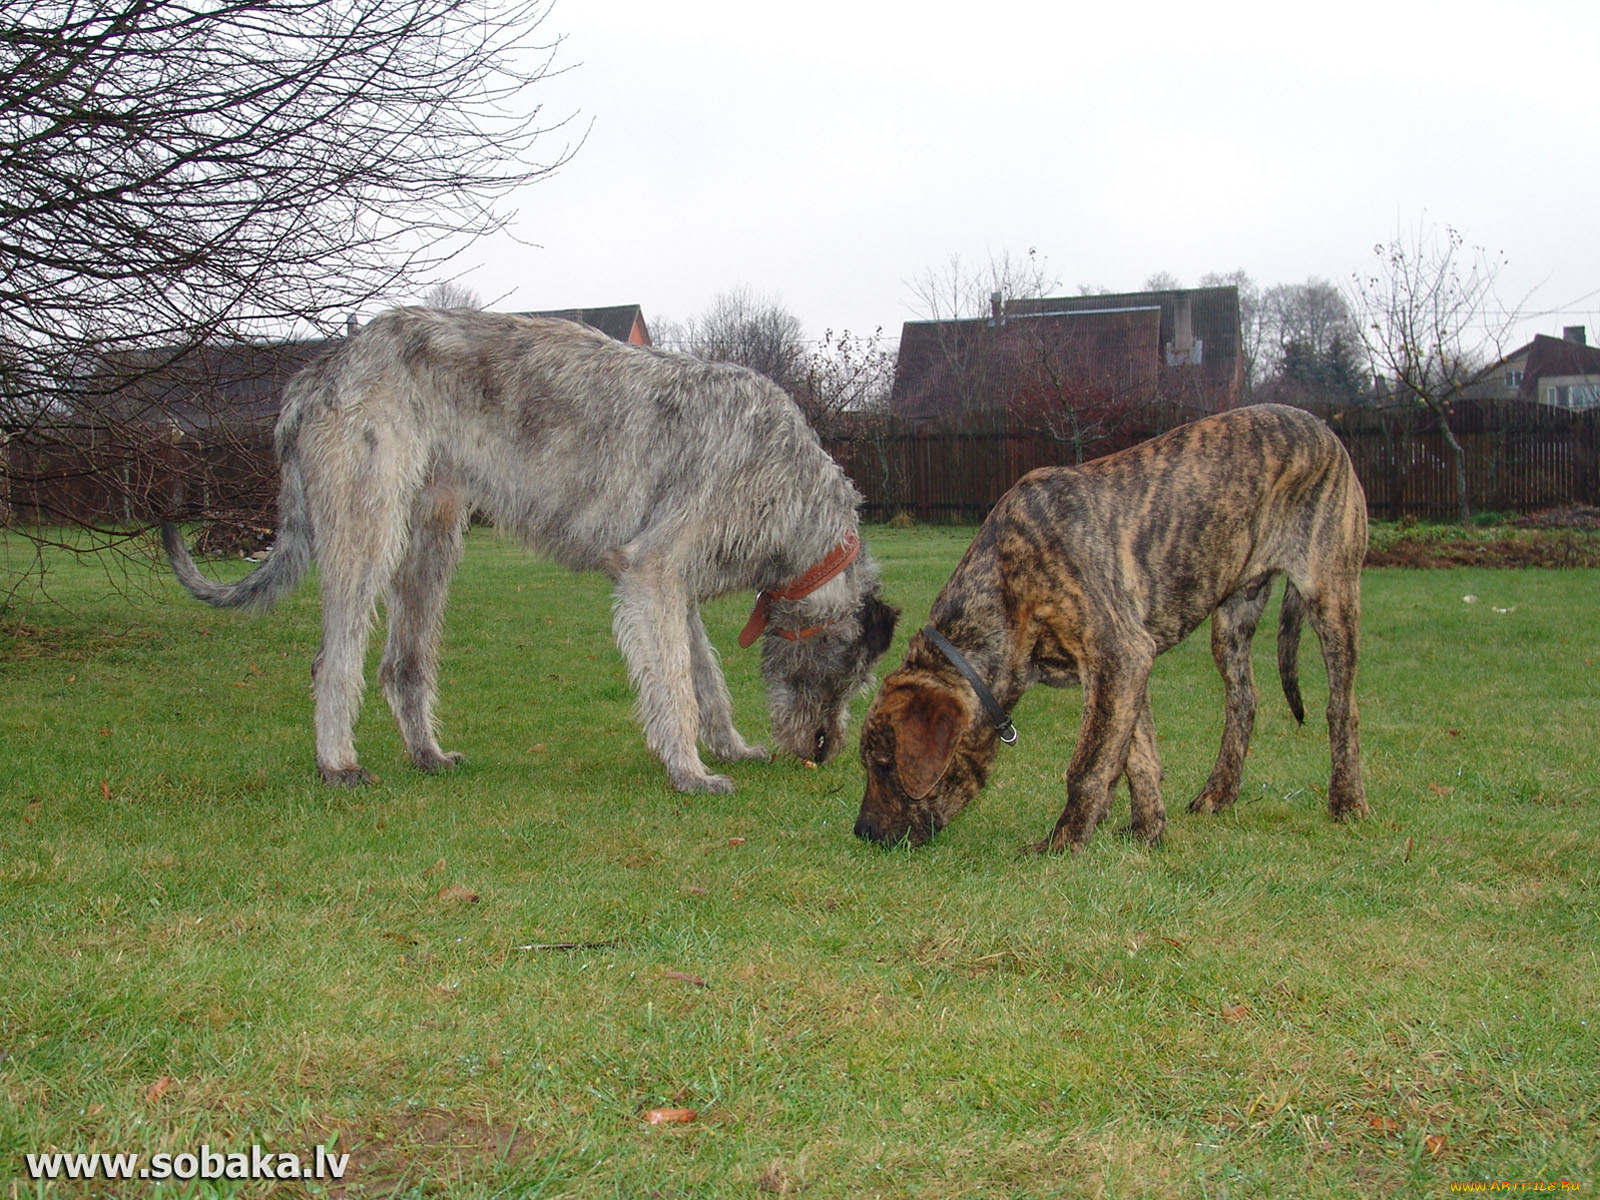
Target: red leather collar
pixel 835 561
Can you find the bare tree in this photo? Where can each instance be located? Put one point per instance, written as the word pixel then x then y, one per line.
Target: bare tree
pixel 742 327
pixel 975 365
pixel 1311 346
pixel 451 294
pixel 176 175
pixel 846 378
pixel 1431 320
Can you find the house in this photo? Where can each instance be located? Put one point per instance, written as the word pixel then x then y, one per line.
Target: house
pixel 234 389
pixel 625 322
pixel 1042 362
pixel 1561 372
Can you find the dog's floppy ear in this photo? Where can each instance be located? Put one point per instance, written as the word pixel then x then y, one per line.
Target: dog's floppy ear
pixel 926 731
pixel 877 624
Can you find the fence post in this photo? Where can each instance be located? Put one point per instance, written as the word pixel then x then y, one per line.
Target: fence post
pixel 1588 473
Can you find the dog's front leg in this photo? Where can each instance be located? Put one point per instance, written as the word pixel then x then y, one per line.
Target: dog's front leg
pixel 651 620
pixel 712 698
pixel 1144 780
pixel 1113 697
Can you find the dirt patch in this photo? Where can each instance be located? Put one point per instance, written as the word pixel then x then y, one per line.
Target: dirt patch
pixel 1568 536
pixel 1496 552
pixel 425 1149
pixel 1568 516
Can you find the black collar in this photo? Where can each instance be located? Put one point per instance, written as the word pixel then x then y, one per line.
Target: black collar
pixel 998 717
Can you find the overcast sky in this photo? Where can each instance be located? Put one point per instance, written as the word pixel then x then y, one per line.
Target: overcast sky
pixel 828 154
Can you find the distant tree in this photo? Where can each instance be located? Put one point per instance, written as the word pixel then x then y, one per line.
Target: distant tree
pixel 1430 320
pixel 846 377
pixel 960 292
pixel 741 327
pixel 176 175
pixel 1162 281
pixel 451 294
pixel 1333 373
pixel 1311 344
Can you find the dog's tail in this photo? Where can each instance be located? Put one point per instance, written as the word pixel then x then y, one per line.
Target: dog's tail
pixel 291 554
pixel 1291 616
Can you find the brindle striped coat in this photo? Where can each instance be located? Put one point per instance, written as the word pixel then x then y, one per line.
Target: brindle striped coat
pixel 1087 574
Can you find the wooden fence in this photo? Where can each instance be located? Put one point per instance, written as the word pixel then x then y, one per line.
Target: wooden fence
pixel 1520 457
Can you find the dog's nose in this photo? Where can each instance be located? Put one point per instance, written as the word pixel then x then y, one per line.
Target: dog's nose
pixel 867 829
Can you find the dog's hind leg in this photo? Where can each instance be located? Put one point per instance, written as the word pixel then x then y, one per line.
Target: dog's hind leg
pixel 362 490
pixel 651 617
pixel 712 699
pixel 1233 624
pixel 415 601
pixel 1335 613
pixel 352 576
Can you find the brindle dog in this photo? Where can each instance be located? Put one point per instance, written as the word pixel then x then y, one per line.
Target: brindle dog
pixel 1088 573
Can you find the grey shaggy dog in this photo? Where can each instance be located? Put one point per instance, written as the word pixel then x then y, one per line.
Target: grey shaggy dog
pixel 680 479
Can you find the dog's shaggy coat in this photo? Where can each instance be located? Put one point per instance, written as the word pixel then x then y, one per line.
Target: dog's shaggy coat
pixel 680 479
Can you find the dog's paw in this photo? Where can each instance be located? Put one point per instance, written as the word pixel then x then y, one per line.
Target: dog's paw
pixel 717 784
pixel 347 776
pixel 1209 802
pixel 434 762
pixel 1348 808
pixel 1150 836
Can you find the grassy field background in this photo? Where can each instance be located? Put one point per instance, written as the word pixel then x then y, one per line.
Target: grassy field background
pixel 478 985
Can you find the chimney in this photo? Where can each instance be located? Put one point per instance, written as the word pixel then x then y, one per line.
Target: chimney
pixel 1575 334
pixel 997 309
pixel 1183 327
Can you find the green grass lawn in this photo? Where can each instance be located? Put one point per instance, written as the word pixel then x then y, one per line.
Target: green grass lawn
pixel 478 984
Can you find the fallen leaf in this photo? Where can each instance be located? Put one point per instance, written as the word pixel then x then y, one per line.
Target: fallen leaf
pixel 72 679
pixel 158 1089
pixel 684 977
pixel 105 789
pixel 736 841
pixel 438 865
pixel 455 892
pixel 1383 1124
pixel 695 889
pixel 1435 1143
pixel 669 1116
pixel 1440 791
pixel 1235 1012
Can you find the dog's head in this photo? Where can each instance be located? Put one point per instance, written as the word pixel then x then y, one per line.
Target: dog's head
pixel 926 751
pixel 811 680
